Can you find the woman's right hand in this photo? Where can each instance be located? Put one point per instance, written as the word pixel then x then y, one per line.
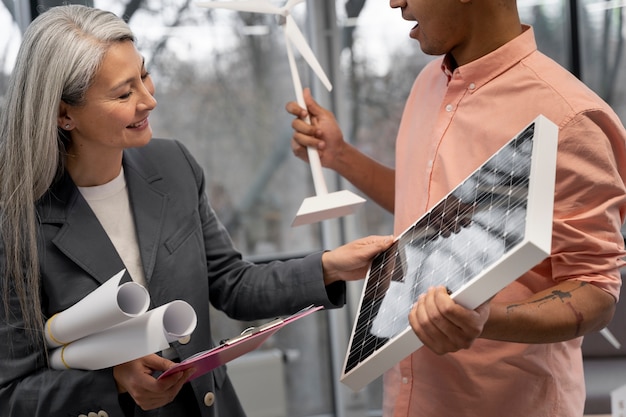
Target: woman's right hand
pixel 135 377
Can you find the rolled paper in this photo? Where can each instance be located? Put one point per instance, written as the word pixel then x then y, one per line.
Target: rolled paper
pixel 106 306
pixel 132 339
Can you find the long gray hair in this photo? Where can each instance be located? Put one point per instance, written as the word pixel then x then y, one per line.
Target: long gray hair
pixel 60 54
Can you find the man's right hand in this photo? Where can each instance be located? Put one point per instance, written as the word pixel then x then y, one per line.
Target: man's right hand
pixel 315 127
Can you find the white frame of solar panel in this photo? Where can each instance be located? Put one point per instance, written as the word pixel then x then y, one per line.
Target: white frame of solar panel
pixel 534 247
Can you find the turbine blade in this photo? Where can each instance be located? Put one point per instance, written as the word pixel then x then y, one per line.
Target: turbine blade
pixel 252 6
pixel 298 40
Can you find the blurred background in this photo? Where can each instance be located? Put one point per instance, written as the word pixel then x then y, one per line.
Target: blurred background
pixel 222 80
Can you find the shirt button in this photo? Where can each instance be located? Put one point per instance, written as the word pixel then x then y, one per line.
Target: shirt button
pixel 184 340
pixel 449 108
pixel 209 399
pixel 472 86
pixel 405 380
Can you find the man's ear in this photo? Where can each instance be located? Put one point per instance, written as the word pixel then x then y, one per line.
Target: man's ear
pixel 64 121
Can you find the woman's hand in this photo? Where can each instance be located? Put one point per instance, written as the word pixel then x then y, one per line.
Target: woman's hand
pixel 135 377
pixel 351 261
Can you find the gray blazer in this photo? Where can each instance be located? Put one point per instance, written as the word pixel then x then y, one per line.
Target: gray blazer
pixel 186 253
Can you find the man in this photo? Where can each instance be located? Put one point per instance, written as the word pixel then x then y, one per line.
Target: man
pixel 518 355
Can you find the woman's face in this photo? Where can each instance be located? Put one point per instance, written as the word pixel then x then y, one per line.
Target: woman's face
pixel 115 113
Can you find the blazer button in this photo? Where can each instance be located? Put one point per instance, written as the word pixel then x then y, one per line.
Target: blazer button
pixel 82 415
pixel 184 340
pixel 209 399
pixel 92 414
pixel 103 413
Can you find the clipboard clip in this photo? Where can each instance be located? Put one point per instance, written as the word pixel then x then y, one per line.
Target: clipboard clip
pixel 266 326
pixel 253 330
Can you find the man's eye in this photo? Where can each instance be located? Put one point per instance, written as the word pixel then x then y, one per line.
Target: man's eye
pixel 124 96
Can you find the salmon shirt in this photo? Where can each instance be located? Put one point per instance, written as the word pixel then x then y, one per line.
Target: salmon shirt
pixel 454 120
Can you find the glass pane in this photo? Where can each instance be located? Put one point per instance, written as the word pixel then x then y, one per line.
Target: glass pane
pixel 550 22
pixel 602 34
pixel 379 63
pixel 10 37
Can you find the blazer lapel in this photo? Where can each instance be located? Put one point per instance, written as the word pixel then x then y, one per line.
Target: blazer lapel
pixel 149 202
pixel 80 237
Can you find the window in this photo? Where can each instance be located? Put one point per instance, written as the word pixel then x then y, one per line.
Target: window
pixel 9 43
pixel 222 82
pixel 602 50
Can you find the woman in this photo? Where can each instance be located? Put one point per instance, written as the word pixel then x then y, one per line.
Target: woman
pixel 86 192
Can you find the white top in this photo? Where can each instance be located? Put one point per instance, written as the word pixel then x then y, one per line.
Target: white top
pixel 110 204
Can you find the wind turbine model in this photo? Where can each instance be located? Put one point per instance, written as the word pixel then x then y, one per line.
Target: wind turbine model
pixel 323 205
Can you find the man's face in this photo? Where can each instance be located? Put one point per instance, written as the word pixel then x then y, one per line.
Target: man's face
pixel 441 25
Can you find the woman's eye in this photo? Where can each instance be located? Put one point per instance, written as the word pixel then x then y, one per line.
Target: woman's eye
pixel 124 96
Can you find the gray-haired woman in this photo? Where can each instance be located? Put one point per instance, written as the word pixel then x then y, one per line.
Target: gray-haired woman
pixel 85 192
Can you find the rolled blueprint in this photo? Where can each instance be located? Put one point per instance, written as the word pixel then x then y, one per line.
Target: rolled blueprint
pixel 139 336
pixel 106 306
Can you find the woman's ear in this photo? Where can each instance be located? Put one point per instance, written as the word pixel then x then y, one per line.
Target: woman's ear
pixel 64 121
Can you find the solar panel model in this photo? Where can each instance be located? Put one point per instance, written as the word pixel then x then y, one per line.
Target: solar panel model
pixel 489 230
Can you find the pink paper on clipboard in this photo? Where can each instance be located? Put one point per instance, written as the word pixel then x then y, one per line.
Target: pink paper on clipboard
pixel 230 349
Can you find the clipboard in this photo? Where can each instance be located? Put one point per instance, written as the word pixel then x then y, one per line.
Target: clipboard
pixel 230 349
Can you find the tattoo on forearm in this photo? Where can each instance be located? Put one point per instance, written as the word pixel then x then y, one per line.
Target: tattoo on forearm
pixel 564 297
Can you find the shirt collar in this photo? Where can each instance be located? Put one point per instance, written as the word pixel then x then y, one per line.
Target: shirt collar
pixel 488 67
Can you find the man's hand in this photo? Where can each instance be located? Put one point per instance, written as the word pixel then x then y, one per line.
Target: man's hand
pixel 321 131
pixel 443 325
